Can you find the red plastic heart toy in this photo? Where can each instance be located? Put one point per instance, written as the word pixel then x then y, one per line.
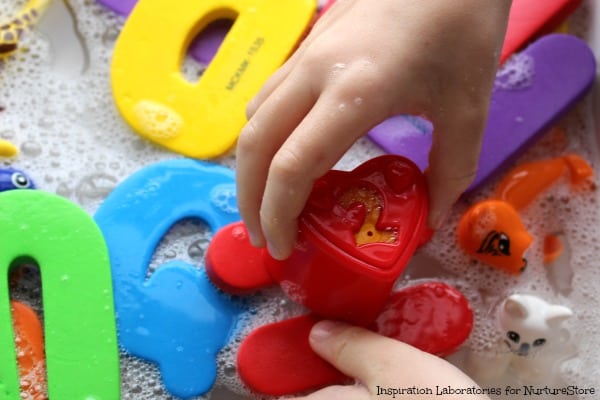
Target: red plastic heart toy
pixel 357 233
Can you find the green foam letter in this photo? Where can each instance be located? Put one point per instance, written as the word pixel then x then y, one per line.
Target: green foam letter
pixel 82 356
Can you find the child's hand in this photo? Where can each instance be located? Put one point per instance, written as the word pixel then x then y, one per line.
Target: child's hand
pixel 376 361
pixel 363 62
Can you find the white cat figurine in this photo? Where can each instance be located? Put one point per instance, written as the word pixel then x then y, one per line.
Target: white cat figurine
pixel 531 336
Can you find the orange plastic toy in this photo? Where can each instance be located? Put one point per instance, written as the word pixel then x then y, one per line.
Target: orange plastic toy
pixel 525 182
pixel 29 339
pixel 553 248
pixel 492 231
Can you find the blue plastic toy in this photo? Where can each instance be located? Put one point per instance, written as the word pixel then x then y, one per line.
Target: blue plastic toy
pixel 175 317
pixel 11 178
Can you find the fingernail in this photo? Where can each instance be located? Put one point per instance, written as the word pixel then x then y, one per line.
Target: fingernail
pixel 323 330
pixel 436 220
pixel 275 252
pixel 256 240
pixel 278 252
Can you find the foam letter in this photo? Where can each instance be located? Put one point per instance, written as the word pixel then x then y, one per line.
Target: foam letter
pixel 79 326
pixel 203 119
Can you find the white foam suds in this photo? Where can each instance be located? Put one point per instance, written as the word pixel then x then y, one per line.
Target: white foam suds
pixel 73 142
pixel 516 73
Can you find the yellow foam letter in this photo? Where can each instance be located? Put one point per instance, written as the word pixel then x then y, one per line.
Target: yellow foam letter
pixel 202 119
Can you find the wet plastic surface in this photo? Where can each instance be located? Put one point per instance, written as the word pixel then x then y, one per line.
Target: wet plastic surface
pixel 341 251
pixel 176 318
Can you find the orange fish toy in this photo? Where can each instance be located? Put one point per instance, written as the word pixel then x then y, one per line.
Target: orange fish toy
pixel 492 231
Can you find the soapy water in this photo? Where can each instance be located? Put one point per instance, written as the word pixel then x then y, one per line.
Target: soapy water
pixel 73 142
pixel 516 73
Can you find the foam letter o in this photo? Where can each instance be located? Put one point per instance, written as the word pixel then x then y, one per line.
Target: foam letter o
pixel 202 119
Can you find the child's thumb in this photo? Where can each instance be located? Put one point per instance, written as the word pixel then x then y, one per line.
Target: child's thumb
pixel 354 351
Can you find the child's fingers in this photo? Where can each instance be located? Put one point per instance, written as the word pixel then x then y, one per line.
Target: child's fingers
pixel 453 160
pixel 352 350
pixel 339 393
pixel 334 123
pixel 459 112
pixel 377 361
pixel 275 80
pixel 270 85
pixel 260 139
pixel 454 155
pixel 368 357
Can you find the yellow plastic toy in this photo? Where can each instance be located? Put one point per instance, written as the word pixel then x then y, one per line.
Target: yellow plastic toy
pixel 11 31
pixel 7 149
pixel 202 119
